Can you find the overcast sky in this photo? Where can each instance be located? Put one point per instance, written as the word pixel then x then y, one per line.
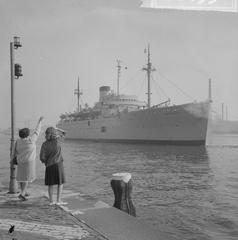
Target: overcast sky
pixel 64 39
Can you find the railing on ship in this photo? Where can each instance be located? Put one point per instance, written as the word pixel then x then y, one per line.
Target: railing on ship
pixel 163 104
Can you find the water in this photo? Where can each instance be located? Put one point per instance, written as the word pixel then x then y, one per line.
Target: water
pixel 190 192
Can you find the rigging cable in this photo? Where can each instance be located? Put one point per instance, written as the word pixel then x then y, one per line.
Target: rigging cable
pixel 130 79
pixel 163 92
pixel 166 78
pixel 142 84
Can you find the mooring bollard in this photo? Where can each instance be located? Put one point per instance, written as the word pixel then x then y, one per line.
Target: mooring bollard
pixel 121 184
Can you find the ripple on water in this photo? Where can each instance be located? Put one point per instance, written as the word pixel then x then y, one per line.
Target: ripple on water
pixel 189 192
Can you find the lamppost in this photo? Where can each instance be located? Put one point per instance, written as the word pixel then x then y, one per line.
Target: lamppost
pixel 15 73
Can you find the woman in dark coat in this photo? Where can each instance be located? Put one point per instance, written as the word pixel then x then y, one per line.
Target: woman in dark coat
pixel 51 156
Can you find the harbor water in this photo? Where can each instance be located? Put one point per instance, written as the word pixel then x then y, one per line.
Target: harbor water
pixel 190 192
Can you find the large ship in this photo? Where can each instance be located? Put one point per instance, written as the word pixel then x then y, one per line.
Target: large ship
pixel 123 118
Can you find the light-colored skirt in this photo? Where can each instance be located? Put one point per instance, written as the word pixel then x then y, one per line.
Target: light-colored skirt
pixel 26 172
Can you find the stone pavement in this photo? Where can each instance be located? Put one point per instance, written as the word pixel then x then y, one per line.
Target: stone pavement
pixel 36 219
pixel 83 218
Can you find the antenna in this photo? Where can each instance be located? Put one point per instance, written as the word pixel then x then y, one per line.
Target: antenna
pixel 118 75
pixel 78 93
pixel 222 111
pixel 226 113
pixel 210 90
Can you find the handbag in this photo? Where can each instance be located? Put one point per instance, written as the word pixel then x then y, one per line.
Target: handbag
pixel 14 161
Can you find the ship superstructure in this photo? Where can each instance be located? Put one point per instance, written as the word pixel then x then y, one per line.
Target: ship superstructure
pixel 123 118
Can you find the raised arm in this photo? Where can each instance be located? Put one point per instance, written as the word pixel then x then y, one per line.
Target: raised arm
pixel 61 133
pixel 37 130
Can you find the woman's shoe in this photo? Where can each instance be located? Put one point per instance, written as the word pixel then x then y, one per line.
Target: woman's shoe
pixel 22 198
pixel 61 203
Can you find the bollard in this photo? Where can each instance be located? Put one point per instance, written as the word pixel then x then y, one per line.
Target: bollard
pixel 121 184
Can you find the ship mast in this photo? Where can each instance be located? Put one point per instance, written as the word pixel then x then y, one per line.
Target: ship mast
pixel 78 93
pixel 118 75
pixel 210 90
pixel 148 69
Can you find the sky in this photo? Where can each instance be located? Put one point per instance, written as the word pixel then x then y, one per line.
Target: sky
pixel 66 39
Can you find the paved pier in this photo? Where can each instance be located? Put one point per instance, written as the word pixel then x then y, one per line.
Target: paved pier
pixel 83 218
pixel 36 219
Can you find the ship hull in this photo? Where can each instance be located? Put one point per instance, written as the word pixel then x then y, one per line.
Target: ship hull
pixel 178 125
pixel 150 142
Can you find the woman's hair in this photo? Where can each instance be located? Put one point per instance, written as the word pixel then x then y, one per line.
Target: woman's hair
pixel 24 132
pixel 50 133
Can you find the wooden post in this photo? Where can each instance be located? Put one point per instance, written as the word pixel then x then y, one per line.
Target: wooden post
pixel 121 184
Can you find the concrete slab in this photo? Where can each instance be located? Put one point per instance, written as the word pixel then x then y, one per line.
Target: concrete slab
pixel 117 225
pixel 111 222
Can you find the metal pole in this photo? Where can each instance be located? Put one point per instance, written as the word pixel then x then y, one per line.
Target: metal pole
pixel 13 183
pixel 78 94
pixel 226 113
pixel 222 111
pixel 148 74
pixel 118 76
pixel 148 69
pixel 210 90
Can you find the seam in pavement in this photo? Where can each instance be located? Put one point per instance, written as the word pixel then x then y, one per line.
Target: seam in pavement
pixel 83 222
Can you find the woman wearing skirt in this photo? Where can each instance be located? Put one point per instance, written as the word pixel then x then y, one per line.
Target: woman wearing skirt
pixel 51 156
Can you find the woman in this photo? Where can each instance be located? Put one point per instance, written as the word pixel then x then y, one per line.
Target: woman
pixel 51 156
pixel 25 153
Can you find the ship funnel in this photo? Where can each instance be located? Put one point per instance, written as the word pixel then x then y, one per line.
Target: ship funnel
pixel 103 92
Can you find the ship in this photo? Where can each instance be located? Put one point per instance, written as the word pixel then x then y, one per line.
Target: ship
pixel 120 117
